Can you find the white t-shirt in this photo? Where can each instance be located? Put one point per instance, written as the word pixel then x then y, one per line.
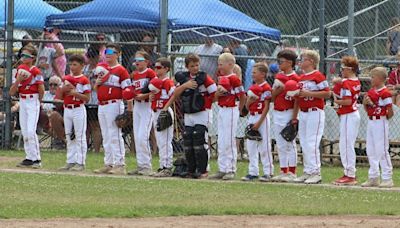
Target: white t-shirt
pixel 47 55
pixel 209 64
pixel 47 96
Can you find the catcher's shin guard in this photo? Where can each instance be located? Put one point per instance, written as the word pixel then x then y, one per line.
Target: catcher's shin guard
pixel 200 151
pixel 188 148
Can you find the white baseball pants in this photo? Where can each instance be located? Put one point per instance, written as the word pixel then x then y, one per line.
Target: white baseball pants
pixel 311 128
pixel 113 143
pixel 349 124
pixel 261 148
pixel 164 142
pixel 227 150
pixel 287 151
pixel 378 148
pixel 28 119
pixel 77 148
pixel 142 122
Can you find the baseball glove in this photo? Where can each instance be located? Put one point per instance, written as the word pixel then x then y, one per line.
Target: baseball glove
pixel 124 120
pixel 244 112
pixel 252 134
pixel 164 120
pixel 289 133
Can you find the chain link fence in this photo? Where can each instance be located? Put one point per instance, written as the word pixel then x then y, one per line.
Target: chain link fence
pixel 253 30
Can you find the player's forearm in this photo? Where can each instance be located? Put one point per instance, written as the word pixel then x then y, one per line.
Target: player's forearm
pixel 14 89
pixel 41 91
pixel 276 92
pixel 389 113
pixel 345 102
pixel 242 101
pixel 130 105
pixel 83 97
pixel 295 109
pixel 265 111
pixel 319 94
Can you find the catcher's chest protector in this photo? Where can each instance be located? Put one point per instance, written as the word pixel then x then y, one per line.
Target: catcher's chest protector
pixel 192 99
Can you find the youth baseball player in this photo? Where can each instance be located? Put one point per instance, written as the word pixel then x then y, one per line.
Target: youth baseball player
pixel 258 99
pixel 345 94
pixel 77 93
pixel 285 110
pixel 378 105
pixel 28 83
pixel 112 80
pixel 142 113
pixel 229 88
pixel 314 89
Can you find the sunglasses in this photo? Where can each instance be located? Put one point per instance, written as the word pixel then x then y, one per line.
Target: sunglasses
pixel 345 67
pixel 110 52
pixel 48 30
pixel 100 38
pixel 27 56
pixel 140 59
pixel 158 67
pixel 53 84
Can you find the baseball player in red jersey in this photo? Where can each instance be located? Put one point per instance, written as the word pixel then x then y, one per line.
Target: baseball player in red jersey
pixel 229 89
pixel 75 120
pixel 258 99
pixel 393 83
pixel 162 88
pixel 314 89
pixel 142 113
pixel 196 90
pixel 28 83
pixel 112 80
pixel 345 94
pixel 285 111
pixel 378 105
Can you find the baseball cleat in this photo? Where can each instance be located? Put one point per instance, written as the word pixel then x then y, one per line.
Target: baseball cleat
pixel 313 179
pixel 218 175
pixel 278 178
pixel 104 169
pixel 118 170
pixel 249 177
pixel 302 178
pixel 166 172
pixel 229 176
pixel 25 163
pixel 37 164
pixel 386 183
pixel 288 178
pixel 371 182
pixel 67 167
pixel 77 168
pixel 266 178
pixel 345 180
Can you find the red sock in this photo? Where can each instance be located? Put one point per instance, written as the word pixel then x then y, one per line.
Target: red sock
pixel 292 169
pixel 284 169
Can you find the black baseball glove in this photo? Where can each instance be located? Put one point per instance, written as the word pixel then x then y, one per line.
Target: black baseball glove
pixel 124 120
pixel 164 120
pixel 244 112
pixel 289 133
pixel 252 134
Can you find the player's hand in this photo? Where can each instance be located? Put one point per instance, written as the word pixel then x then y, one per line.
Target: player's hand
pixel 336 80
pixel 151 97
pixel 367 100
pixel 391 87
pixel 251 100
pixel 191 84
pixel 304 93
pixel 256 126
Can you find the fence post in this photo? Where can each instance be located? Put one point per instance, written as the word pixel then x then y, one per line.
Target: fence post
pixel 163 27
pixel 322 41
pixel 350 22
pixel 7 98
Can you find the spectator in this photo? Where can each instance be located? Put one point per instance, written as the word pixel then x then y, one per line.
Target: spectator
pixel 393 41
pixel 209 64
pixel 150 50
pixel 227 49
pixel 240 49
pixel 52 55
pixel 99 48
pixel 281 46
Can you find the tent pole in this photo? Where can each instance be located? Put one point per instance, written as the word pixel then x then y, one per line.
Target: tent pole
pixel 163 27
pixel 6 96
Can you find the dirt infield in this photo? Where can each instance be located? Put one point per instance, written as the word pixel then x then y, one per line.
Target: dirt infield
pixel 214 221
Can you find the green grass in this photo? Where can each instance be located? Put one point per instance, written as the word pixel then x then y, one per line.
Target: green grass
pixel 58 195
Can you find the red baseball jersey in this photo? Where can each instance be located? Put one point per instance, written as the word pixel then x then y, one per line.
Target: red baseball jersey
pixel 394 77
pixel 140 79
pixel 82 85
pixel 313 81
pixel 259 105
pixel 30 84
pixel 112 88
pixel 282 101
pixel 348 89
pixel 207 89
pixel 161 98
pixel 236 90
pixel 381 99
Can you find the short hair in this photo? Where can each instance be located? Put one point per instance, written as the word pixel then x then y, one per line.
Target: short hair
pixel 313 55
pixel 262 67
pixel 165 62
pixel 191 58
pixel 56 79
pixel 379 71
pixel 350 61
pixel 92 52
pixel 289 55
pixel 145 55
pixel 77 58
pixel 115 46
pixel 31 49
pixel 227 57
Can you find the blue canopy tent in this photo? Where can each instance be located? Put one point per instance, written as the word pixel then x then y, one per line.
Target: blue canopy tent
pixel 28 14
pixel 211 18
